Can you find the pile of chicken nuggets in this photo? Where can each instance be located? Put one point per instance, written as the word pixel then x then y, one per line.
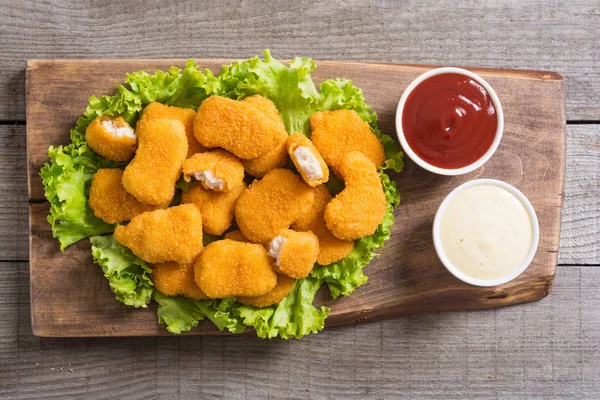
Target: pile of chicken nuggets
pixel 273 230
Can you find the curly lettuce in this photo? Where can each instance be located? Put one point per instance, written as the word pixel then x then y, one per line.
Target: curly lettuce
pixel 68 174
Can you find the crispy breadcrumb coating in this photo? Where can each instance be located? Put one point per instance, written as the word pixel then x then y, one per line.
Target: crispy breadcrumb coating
pixel 174 234
pixel 358 209
pixel 111 138
pixel 295 253
pixel 272 204
pixel 237 126
pixel 307 160
pixel 227 268
pixel 236 235
pixel 285 284
pixel 217 170
pixel 216 207
pixel 110 201
pixel 336 133
pixel 153 172
pixel 154 111
pixel 173 279
pixel 331 249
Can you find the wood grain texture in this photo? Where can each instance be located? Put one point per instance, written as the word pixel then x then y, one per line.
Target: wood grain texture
pixel 559 35
pixel 407 279
pixel 543 350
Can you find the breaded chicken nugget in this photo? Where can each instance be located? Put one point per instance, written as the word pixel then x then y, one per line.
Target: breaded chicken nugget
pixel 272 204
pixel 236 235
pixel 237 126
pixel 358 209
pixel 173 279
pixel 331 249
pixel 267 107
pixel 285 284
pixel 217 170
pixel 111 138
pixel 110 201
pixel 153 172
pixel 154 111
pixel 307 160
pixel 336 133
pixel 216 207
pixel 295 253
pixel 174 234
pixel 227 268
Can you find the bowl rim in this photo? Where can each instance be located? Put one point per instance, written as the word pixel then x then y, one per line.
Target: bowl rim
pixel 432 168
pixel 477 281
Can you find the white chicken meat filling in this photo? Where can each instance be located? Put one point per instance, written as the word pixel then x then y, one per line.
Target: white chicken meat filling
pixel 117 131
pixel 276 247
pixel 209 180
pixel 308 163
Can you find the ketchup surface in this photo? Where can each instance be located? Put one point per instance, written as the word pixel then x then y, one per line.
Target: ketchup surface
pixel 449 120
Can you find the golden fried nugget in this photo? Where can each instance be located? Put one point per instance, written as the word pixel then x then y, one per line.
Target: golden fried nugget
pixel 272 204
pixel 216 207
pixel 173 279
pixel 111 138
pixel 237 126
pixel 358 209
pixel 110 201
pixel 155 110
pixel 153 172
pixel 276 158
pixel 227 268
pixel 217 170
pixel 295 253
pixel 307 160
pixel 267 107
pixel 285 284
pixel 331 249
pixel 336 133
pixel 174 234
pixel 236 235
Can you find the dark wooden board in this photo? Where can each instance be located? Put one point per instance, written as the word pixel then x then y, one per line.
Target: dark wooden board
pixel 69 296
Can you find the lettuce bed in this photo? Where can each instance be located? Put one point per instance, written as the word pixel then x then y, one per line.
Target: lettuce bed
pixel 67 177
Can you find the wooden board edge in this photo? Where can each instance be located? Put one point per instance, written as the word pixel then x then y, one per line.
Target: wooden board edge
pixel 524 73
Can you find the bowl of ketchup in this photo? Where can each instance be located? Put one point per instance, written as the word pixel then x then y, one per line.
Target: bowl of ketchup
pixel 449 121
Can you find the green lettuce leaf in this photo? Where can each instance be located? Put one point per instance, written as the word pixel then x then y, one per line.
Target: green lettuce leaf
pixel 66 180
pixel 128 275
pixel 178 313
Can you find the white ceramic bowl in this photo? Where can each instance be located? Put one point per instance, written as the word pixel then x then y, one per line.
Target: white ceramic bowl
pixel 433 168
pixel 461 275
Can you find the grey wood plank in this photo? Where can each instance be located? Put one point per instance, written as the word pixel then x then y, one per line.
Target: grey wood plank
pixel 580 232
pixel 548 349
pixel 531 34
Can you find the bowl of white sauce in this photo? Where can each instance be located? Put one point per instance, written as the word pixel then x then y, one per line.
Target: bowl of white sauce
pixel 486 232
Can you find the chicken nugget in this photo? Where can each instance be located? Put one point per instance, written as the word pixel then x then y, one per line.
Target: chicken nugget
pixel 217 170
pixel 173 279
pixel 236 235
pixel 155 110
pixel 216 207
pixel 285 284
pixel 358 209
pixel 111 138
pixel 276 158
pixel 331 249
pixel 267 107
pixel 174 234
pixel 336 133
pixel 307 160
pixel 110 201
pixel 272 204
pixel 227 268
pixel 153 172
pixel 237 126
pixel 295 253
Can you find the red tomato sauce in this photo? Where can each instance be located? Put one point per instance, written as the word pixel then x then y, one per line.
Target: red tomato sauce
pixel 449 120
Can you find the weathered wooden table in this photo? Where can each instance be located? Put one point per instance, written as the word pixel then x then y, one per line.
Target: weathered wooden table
pixel 548 349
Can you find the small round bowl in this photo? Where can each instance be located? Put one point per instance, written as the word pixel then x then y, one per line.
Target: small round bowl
pixel 432 168
pixel 461 275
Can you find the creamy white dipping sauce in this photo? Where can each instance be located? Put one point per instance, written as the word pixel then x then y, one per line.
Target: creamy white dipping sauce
pixel 486 232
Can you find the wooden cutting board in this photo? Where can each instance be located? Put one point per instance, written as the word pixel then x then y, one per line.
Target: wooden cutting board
pixel 70 297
